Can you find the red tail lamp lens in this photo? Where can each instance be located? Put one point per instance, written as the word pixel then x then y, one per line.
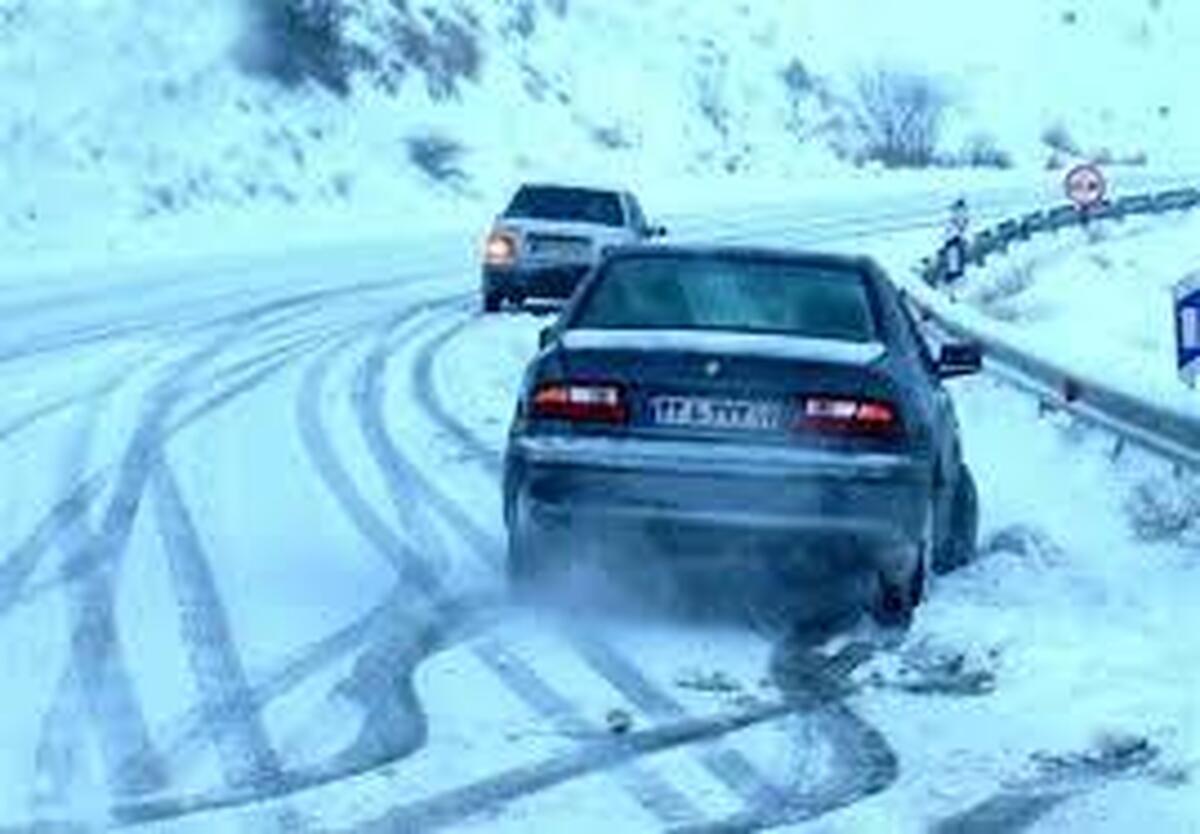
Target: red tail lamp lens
pixel 580 402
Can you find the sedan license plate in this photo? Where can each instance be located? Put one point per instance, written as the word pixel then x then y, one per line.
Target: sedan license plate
pixel 718 413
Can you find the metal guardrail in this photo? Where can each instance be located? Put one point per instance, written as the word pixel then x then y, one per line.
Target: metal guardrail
pixel 1165 431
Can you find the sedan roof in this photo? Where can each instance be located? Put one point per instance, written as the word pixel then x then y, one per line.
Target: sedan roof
pixel 857 264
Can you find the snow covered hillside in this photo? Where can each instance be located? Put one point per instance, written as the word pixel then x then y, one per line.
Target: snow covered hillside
pixel 1099 302
pixel 115 112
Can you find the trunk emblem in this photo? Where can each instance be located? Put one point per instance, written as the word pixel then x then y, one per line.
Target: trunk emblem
pixel 712 367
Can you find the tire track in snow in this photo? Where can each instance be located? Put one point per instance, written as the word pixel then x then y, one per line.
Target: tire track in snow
pixel 22 561
pixel 56 759
pixel 397 639
pixel 97 655
pixel 97 669
pixel 48 409
pixel 729 766
pixel 865 762
pixel 243 376
pixel 492 793
pixel 1022 804
pixel 394 645
pixel 409 493
pixel 393 653
pixel 230 715
pixel 186 732
pixel 243 748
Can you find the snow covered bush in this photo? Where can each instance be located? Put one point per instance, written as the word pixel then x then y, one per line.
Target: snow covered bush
pixel 437 156
pixel 1164 510
pixel 329 41
pixel 523 18
pixel 797 79
pixel 711 79
pixel 296 41
pixel 982 151
pixel 442 45
pixel 1059 139
pixel 899 117
pixel 1000 286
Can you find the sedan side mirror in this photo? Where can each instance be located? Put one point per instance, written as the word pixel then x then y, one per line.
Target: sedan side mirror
pixel 545 336
pixel 959 359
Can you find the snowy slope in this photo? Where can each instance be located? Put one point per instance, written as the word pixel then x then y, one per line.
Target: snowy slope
pixel 115 112
pixel 1098 302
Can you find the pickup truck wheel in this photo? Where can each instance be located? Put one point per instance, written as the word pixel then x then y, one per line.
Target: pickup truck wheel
pixel 491 302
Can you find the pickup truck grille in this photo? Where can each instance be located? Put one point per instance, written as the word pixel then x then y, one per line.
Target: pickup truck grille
pixel 559 247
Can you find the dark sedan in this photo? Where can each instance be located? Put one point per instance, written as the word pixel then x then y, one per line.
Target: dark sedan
pixel 694 401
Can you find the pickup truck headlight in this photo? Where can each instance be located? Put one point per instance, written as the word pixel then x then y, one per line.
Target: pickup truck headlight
pixel 500 249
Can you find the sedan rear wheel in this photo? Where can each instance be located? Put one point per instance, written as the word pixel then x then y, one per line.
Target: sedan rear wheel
pixel 896 599
pixel 957 548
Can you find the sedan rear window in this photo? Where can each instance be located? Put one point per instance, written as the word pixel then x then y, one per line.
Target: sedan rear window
pixel 730 294
pixel 576 205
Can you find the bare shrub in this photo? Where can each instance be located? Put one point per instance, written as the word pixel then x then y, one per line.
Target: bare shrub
pixel 1059 139
pixel 1164 510
pixel 797 79
pixel 982 151
pixel 437 156
pixel 711 90
pixel 899 117
pixel 523 21
pixel 1105 156
pixel 13 13
pixel 611 137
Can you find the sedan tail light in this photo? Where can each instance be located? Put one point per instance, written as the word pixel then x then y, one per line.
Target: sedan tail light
pixel 848 416
pixel 582 402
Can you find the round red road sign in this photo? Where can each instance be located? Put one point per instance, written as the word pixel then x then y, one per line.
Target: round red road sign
pixel 1085 185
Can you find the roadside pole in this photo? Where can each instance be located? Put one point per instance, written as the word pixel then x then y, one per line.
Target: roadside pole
pixel 1086 188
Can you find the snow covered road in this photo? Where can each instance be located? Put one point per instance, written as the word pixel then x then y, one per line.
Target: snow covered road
pixel 249 580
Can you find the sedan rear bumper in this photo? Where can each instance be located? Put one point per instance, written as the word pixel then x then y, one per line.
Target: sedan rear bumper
pixel 721 492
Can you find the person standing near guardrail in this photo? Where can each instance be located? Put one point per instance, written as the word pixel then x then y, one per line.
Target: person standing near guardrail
pixel 953 255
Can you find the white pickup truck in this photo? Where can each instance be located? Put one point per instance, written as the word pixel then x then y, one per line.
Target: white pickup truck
pixel 550 236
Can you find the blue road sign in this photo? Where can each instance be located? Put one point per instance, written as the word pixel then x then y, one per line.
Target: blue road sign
pixel 1187 328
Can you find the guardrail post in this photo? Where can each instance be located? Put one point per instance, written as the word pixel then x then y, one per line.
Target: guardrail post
pixel 1118 449
pixel 1070 390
